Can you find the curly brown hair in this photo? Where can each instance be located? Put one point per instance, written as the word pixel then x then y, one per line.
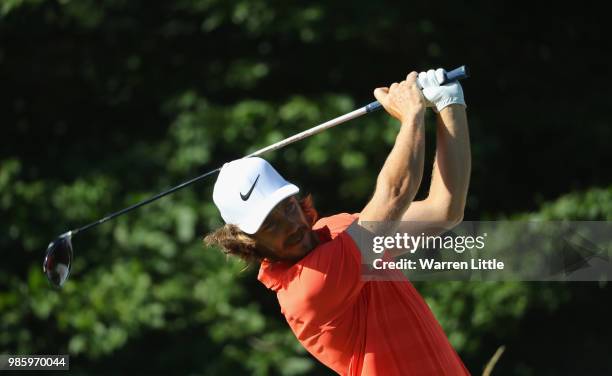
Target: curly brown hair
pixel 234 241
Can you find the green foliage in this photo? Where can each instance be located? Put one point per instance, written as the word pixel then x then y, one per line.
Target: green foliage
pixel 592 205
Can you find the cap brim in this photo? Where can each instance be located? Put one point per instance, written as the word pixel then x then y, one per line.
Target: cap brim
pixel 251 224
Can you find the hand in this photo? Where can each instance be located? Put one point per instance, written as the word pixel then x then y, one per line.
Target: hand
pixel 402 101
pixel 440 96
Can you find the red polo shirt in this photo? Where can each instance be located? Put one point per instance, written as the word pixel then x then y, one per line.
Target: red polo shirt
pixel 353 326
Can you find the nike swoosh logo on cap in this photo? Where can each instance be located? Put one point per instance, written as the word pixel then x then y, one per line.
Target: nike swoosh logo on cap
pixel 248 194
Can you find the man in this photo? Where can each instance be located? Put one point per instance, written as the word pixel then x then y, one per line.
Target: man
pixel 352 325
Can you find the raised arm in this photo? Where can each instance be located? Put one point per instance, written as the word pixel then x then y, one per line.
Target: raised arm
pixel 444 206
pixel 400 176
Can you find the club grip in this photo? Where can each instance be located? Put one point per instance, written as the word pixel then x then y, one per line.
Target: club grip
pixel 456 74
pixel 460 73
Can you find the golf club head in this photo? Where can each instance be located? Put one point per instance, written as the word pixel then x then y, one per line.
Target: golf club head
pixel 58 259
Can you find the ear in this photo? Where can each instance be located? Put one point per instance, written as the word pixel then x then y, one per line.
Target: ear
pixel 307 207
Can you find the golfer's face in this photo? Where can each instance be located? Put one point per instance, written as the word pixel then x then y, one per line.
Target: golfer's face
pixel 286 234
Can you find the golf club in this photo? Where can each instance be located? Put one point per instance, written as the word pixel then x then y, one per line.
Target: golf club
pixel 59 254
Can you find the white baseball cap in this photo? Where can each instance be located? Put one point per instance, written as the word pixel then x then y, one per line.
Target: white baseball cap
pixel 247 190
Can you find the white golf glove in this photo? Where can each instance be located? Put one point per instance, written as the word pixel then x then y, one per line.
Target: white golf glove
pixel 440 96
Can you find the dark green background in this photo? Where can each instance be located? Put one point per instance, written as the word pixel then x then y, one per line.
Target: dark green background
pixel 103 104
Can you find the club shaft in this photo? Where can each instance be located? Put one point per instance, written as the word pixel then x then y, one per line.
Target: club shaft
pixel 456 74
pixel 312 131
pixel 307 133
pixel 145 202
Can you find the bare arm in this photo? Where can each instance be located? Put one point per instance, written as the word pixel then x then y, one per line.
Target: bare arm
pixel 445 203
pixel 400 176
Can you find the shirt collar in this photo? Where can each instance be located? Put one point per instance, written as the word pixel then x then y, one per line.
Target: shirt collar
pixel 271 274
